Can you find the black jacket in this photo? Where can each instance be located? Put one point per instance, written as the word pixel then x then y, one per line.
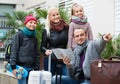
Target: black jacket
pixel 57 39
pixel 25 53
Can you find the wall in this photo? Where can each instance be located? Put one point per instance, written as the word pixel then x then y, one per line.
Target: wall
pixel 103 17
pixel 18 3
pixel 31 4
pixel 100 15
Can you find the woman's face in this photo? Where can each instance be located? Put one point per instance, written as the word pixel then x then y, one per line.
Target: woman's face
pixel 54 16
pixel 78 11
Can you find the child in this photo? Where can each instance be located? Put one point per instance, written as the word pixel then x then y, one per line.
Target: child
pixel 55 35
pixel 25 52
pixel 78 20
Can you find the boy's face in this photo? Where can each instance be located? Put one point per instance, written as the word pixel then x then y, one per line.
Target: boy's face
pixel 31 25
pixel 54 16
pixel 78 11
pixel 80 36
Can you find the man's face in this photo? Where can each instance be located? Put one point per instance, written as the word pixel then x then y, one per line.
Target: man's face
pixel 80 36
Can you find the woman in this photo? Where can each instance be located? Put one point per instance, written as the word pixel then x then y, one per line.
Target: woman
pixel 55 35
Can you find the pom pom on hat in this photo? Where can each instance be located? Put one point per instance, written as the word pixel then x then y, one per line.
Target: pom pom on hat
pixel 28 18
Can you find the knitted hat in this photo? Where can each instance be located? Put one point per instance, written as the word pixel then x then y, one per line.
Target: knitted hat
pixel 28 18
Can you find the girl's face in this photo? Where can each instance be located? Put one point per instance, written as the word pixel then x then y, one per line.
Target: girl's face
pixel 78 11
pixel 31 25
pixel 54 16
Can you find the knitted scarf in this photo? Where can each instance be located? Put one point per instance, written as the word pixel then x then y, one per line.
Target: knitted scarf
pixel 78 51
pixel 78 20
pixel 58 26
pixel 28 32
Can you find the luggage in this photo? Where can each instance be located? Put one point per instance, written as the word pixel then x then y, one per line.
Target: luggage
pixel 106 71
pixel 58 72
pixel 41 77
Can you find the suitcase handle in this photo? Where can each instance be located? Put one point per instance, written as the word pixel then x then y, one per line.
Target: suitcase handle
pixel 49 63
pixel 114 58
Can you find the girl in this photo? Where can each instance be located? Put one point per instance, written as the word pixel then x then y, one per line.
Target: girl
pixel 78 20
pixel 55 35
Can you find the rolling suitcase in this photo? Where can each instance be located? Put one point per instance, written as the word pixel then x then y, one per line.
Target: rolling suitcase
pixel 105 71
pixel 41 77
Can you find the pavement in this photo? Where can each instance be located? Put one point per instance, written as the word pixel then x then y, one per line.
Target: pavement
pixel 2 68
pixel 1 65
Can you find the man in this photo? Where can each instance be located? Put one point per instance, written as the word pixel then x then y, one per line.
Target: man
pixel 85 52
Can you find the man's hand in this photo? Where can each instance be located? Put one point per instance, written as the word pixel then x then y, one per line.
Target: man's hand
pixel 107 37
pixel 66 60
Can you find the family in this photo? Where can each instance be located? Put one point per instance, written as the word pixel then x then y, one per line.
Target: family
pixel 76 35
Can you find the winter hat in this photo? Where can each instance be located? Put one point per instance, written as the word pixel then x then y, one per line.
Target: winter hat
pixel 28 18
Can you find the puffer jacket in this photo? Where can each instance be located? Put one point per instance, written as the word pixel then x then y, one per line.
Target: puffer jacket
pixel 25 53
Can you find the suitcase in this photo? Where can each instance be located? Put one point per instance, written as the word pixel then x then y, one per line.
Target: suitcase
pixel 41 77
pixel 58 72
pixel 105 71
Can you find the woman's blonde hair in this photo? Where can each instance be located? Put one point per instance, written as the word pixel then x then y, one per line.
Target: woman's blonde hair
pixel 47 24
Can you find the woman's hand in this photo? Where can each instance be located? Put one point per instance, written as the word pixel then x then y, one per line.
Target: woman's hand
pixel 48 52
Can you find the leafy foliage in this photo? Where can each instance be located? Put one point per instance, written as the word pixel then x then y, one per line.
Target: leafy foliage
pixel 112 47
pixel 64 15
pixel 116 45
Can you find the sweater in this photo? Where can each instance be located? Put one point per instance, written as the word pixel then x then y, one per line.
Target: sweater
pixel 72 27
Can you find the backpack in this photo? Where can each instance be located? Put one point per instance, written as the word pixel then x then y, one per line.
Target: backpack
pixel 8 48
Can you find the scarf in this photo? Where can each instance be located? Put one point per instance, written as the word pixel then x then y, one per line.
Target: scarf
pixel 79 50
pixel 28 32
pixel 78 20
pixel 58 26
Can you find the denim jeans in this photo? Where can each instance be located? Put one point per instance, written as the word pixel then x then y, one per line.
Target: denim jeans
pixel 24 80
pixel 68 80
pixel 53 68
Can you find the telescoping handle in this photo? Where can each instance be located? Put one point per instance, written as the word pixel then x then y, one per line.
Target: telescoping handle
pixel 49 63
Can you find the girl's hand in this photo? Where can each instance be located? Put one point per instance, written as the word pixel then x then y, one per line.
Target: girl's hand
pixel 48 52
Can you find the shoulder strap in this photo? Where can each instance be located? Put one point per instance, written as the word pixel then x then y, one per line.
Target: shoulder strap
pixel 21 36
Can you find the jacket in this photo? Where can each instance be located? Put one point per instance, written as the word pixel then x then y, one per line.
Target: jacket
pixel 57 39
pixel 25 53
pixel 93 50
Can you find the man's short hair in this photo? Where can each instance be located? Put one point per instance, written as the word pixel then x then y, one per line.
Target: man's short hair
pixel 80 28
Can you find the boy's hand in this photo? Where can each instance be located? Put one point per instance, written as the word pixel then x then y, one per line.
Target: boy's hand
pixel 14 72
pixel 107 37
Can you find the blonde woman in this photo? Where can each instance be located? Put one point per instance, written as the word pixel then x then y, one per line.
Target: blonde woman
pixel 55 35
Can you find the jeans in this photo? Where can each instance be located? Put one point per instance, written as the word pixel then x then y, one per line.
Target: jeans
pixel 68 80
pixel 53 68
pixel 24 80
